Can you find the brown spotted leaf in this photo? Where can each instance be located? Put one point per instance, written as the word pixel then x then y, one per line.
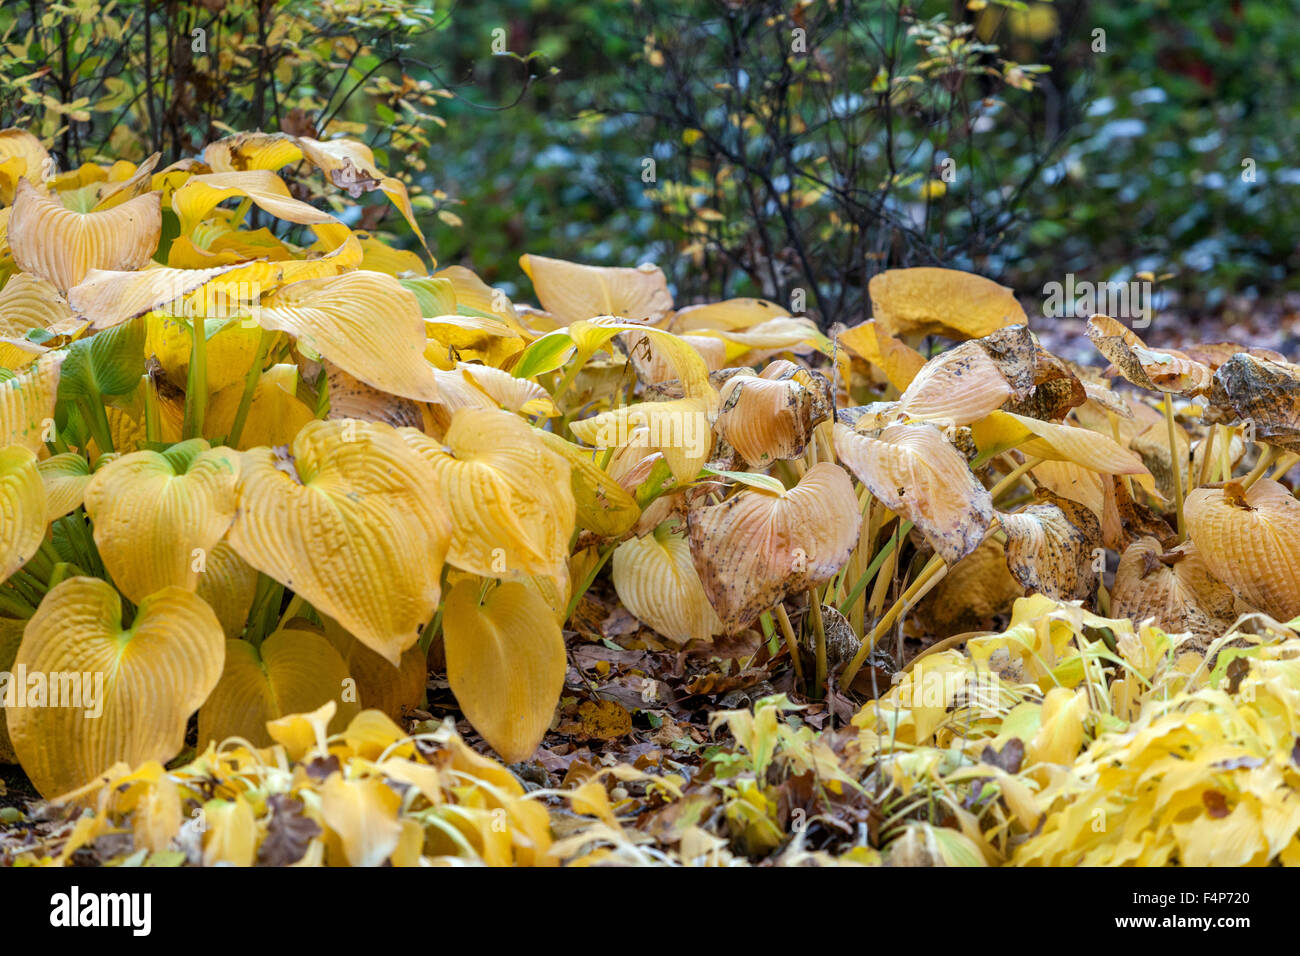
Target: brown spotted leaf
pixel 1050 547
pixel 755 547
pixel 1163 371
pixel 965 383
pixel 1264 392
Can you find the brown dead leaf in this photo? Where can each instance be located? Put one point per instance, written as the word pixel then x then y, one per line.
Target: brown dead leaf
pixel 1174 587
pixel 965 383
pixel 1264 392
pixel 1163 371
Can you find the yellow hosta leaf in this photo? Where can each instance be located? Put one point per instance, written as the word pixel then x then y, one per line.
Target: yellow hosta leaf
pixel 145 680
pixel 680 430
pixel 1250 542
pixel 914 472
pixel 656 580
pixel 471 291
pixel 294 671
pixel 513 394
pixel 193 201
pixel 22 508
pixel 65 477
pixel 366 323
pixel 230 352
pixel 230 832
pixel 251 151
pixel 925 301
pixel 28 302
pixel 109 298
pixel 1056 443
pixel 350 518
pixel 602 504
pixel 228 583
pixel 505 663
pixel 27 403
pixel 730 315
pixel 381 257
pixel 275 415
pixel 755 547
pixel 393 691
pixel 21 157
pixel 60 245
pixel 1060 735
pixel 350 165
pixel 899 362
pixel 510 495
pixel 158 515
pixel 362 816
pixel 571 291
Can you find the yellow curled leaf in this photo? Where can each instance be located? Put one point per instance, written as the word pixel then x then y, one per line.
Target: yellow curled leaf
pixel 301 734
pixel 350 518
pixel 109 298
pixel 193 201
pixel 656 580
pixel 926 300
pixel 244 151
pixel 350 165
pixel 899 362
pixel 511 497
pixel 21 157
pixel 1056 442
pixel 505 663
pixel 730 315
pixel 754 548
pixel 362 817
pixel 22 508
pixel 366 323
pixel 768 418
pixel 294 671
pixel 571 291
pixel 680 430
pixel 62 246
pixel 143 681
pixel 158 515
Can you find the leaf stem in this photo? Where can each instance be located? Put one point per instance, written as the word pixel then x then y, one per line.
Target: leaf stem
pixel 1176 467
pixel 250 387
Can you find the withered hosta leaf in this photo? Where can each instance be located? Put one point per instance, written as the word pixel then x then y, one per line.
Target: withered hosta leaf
pixel 916 473
pixel 289 832
pixel 1215 354
pixel 1250 542
pixel 770 417
pixel 1174 587
pixel 753 548
pixel 1050 547
pixel 965 383
pixel 1158 370
pixel 972 595
pixel 1123 520
pixel 1264 392
pixel 1056 390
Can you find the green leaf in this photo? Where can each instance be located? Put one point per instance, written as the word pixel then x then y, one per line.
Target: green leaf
pixel 436 296
pixel 108 363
